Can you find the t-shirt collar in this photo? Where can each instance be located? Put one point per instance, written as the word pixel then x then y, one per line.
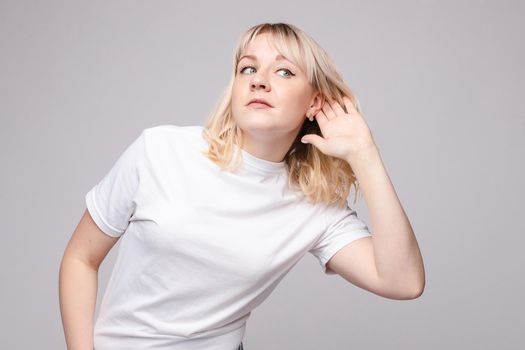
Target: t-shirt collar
pixel 264 165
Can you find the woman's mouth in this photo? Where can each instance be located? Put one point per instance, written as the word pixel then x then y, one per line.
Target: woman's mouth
pixel 258 105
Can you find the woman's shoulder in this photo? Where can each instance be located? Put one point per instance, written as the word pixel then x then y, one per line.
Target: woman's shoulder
pixel 173 134
pixel 171 129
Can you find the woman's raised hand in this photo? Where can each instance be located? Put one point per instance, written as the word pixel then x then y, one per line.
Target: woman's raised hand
pixel 344 134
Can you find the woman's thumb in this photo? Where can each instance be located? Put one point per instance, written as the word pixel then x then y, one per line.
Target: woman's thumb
pixel 315 140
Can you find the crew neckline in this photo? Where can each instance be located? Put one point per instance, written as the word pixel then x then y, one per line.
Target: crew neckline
pixel 249 161
pixel 261 164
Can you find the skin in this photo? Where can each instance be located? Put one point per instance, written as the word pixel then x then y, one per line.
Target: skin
pixel 268 133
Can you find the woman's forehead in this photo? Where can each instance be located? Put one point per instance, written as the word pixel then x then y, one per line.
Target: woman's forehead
pixel 282 47
pixel 270 40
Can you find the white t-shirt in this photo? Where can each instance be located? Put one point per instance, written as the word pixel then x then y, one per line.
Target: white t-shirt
pixel 200 247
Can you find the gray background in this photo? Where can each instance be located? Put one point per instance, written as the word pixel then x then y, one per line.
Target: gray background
pixel 441 86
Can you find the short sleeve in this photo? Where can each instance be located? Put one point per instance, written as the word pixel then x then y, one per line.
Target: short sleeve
pixel 111 202
pixel 343 226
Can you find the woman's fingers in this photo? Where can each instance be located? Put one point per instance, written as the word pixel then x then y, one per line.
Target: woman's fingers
pixel 336 107
pixel 321 119
pixel 328 111
pixel 350 107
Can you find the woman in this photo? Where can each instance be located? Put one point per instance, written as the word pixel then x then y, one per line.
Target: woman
pixel 212 218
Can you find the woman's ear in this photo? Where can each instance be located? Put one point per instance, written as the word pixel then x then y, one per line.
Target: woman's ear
pixel 316 103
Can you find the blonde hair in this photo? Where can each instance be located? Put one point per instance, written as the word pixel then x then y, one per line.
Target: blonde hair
pixel 319 177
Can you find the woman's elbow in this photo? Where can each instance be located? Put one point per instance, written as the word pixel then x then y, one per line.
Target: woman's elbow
pixel 416 291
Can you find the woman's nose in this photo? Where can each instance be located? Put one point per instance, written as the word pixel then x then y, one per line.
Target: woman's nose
pixel 259 82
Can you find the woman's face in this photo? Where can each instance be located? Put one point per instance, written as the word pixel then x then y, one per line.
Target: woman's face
pixel 279 82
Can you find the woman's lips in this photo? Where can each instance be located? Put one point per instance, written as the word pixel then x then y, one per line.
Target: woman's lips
pixel 258 105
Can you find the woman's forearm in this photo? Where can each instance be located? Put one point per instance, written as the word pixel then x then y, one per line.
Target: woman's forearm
pixel 398 258
pixel 78 283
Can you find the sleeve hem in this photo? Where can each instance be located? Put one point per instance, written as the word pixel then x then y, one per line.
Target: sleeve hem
pixel 97 218
pixel 340 245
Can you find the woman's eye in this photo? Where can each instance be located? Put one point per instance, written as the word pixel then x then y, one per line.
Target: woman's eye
pixel 243 68
pixel 287 70
pixel 289 73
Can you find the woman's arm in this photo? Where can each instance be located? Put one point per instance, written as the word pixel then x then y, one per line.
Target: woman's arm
pixel 389 263
pixel 78 292
pixel 78 281
pixel 396 254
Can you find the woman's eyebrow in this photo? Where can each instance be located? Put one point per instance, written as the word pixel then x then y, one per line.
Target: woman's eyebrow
pixel 277 58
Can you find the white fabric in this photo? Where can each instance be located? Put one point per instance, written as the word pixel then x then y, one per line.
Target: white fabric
pixel 200 247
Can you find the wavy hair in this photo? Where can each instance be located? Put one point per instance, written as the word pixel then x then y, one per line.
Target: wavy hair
pixel 319 177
